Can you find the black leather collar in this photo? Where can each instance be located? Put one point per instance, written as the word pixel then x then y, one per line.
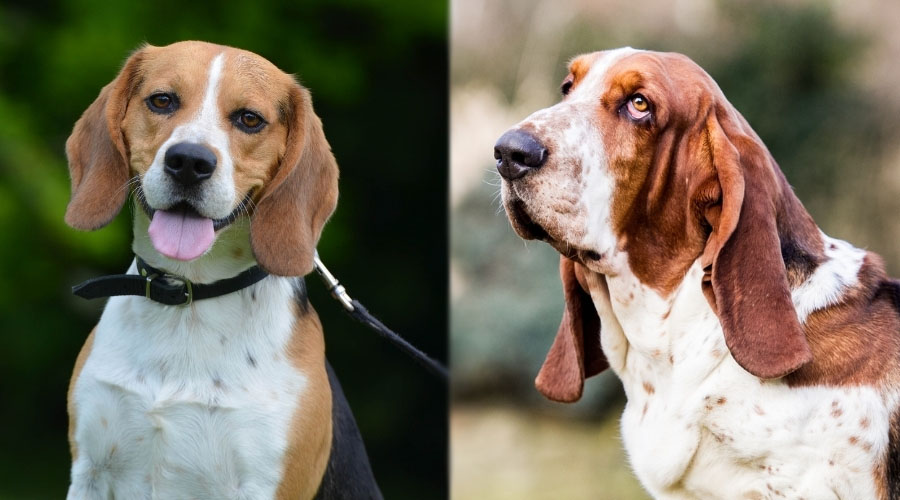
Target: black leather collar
pixel 165 288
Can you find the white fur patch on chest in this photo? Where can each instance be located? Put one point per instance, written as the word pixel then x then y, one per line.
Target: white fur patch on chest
pixel 187 402
pixel 697 425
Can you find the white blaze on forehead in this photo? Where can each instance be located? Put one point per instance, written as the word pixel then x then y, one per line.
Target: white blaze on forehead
pixel 596 180
pixel 216 199
pixel 579 160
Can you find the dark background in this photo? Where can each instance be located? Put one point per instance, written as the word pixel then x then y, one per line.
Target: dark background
pixel 378 75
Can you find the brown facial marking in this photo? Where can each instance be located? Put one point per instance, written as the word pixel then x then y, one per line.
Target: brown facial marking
pixel 309 439
pixel 579 67
pixel 247 82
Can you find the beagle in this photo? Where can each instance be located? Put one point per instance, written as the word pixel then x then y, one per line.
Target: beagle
pixel 230 396
pixel 760 357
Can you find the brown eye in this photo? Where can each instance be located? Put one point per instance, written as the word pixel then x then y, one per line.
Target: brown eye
pixel 640 104
pixel 162 103
pixel 637 106
pixel 248 121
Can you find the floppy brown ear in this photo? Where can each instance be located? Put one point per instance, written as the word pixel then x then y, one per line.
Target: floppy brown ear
pixel 748 285
pixel 302 194
pixel 98 161
pixel 576 353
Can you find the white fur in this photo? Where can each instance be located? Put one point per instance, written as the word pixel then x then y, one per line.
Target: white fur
pixel 190 401
pixel 187 402
pixel 696 424
pixel 552 198
pixel 700 426
pixel 828 282
pixel 218 197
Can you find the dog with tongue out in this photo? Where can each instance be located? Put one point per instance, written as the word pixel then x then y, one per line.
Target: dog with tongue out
pixel 206 375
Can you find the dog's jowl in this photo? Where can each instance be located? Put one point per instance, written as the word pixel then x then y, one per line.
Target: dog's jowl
pixel 213 383
pixel 759 356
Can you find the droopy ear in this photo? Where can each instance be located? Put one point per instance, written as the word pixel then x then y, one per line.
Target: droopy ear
pixel 296 203
pixel 748 284
pixel 98 161
pixel 576 353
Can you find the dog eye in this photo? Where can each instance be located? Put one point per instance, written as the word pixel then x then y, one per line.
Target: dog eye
pixel 567 85
pixel 248 121
pixel 163 103
pixel 638 106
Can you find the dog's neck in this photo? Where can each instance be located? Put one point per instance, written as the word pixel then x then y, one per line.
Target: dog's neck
pixel 645 334
pixel 229 256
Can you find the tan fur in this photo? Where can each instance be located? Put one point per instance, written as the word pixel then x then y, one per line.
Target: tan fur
pixel 287 167
pixel 309 442
pixel 97 154
pixel 70 403
pixel 294 206
pixel 689 181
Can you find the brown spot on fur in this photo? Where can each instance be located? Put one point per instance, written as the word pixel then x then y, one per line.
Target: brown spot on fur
pixel 864 422
pixel 70 402
pixel 644 411
pixel 837 412
pixel 853 440
pixel 309 439
pixel 237 252
pixel 649 387
pixel 854 342
pixel 721 401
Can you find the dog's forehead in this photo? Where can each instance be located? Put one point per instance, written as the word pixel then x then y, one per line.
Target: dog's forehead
pixel 185 67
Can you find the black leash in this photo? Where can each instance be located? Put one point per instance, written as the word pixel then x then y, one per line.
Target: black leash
pixel 174 290
pixel 358 312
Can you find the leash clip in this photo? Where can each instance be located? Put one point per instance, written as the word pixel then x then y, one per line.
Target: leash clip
pixel 334 286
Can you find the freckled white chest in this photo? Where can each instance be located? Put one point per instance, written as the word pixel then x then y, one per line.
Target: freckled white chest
pixel 187 402
pixel 696 425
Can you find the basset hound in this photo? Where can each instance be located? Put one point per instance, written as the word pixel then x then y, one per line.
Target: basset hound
pixel 230 396
pixel 760 357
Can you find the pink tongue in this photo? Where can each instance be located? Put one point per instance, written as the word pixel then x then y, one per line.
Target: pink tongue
pixel 181 235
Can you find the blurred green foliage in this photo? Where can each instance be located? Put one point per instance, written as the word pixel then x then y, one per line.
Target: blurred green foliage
pixel 378 73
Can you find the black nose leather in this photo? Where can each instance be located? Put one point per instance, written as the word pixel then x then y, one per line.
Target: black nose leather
pixel 189 163
pixel 517 153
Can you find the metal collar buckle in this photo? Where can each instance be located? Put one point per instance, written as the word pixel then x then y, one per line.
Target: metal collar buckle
pixel 183 283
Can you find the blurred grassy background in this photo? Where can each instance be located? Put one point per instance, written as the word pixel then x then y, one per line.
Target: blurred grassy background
pixel 378 74
pixel 817 81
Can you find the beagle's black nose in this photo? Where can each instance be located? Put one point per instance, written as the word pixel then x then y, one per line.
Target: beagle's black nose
pixel 517 153
pixel 189 163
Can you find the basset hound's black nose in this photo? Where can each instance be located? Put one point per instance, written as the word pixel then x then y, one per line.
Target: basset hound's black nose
pixel 517 153
pixel 189 163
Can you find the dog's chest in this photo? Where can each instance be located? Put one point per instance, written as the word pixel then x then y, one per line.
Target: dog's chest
pixel 696 425
pixel 173 403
